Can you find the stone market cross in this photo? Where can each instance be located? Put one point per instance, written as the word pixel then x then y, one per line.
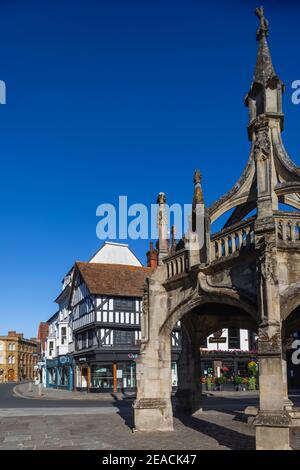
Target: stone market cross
pixel 245 276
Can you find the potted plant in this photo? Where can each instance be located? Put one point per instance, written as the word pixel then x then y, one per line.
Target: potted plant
pixel 237 382
pixel 209 382
pixel 244 385
pixel 252 383
pixel 219 381
pixel 252 368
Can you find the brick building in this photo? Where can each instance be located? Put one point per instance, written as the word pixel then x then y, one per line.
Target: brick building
pixel 18 357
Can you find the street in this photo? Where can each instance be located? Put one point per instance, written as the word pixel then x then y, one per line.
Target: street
pixel 107 424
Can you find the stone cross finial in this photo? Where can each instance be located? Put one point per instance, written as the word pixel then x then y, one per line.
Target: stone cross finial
pixel 198 196
pixel 161 198
pixel 264 24
pixel 197 177
pixel 173 233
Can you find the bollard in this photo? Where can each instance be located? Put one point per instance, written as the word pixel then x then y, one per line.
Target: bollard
pixel 40 391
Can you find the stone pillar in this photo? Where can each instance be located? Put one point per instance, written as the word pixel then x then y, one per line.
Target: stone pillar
pixel 189 391
pixel 162 227
pixel 153 407
pixel 272 422
pixel 287 403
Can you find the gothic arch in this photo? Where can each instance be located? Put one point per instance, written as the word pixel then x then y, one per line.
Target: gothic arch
pixel 290 301
pixel 192 304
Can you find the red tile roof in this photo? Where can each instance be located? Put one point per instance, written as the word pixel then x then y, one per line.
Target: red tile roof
pixel 114 279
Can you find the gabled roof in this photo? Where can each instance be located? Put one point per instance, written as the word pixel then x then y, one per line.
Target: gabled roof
pixel 115 253
pixel 114 279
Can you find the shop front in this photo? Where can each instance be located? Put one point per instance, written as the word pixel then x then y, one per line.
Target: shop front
pixel 59 372
pixel 113 373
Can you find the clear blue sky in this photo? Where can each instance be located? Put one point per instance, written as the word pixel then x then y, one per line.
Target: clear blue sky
pixel 115 97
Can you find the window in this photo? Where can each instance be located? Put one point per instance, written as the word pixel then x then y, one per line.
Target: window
pixel 234 338
pixel 91 335
pixel 51 348
pixel 252 338
pixel 123 337
pixel 242 368
pixel 63 335
pixel 11 359
pixel 125 305
pixel 1 360
pixel 102 376
pixel 79 342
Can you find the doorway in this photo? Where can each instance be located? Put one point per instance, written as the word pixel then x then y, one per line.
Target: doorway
pixel 11 375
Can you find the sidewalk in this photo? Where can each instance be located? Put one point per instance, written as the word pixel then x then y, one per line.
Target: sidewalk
pixel 22 390
pixel 231 394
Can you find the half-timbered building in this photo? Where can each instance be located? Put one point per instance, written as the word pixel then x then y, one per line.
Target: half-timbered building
pixel 106 306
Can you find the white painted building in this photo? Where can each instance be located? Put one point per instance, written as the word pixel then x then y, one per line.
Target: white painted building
pixel 230 340
pixel 115 253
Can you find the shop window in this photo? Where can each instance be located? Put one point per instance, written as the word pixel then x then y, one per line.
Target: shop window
pixel 126 375
pixel 102 376
pixel 52 375
pixel 243 368
pixel 63 375
pixel 125 305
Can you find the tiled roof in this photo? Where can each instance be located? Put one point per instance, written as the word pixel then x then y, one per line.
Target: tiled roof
pixel 114 279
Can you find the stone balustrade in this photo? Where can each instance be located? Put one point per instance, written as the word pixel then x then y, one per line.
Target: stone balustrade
pixel 177 263
pixel 232 239
pixel 287 226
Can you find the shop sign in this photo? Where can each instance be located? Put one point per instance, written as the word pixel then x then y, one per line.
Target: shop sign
pixel 64 359
pixel 82 359
pixel 217 340
pixel 132 356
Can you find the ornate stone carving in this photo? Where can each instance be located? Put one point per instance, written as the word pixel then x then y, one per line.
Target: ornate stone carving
pixel 145 315
pixel 262 145
pixel 263 29
pixel 161 198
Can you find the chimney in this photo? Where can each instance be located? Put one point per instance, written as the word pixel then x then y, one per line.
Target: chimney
pixel 12 333
pixel 21 335
pixel 152 257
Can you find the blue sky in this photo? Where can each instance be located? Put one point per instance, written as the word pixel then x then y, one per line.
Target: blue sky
pixel 115 97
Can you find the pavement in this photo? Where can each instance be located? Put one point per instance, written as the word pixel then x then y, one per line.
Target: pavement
pixel 23 390
pixel 87 424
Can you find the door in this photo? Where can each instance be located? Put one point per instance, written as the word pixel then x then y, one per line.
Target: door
pixel 11 375
pixel 84 377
